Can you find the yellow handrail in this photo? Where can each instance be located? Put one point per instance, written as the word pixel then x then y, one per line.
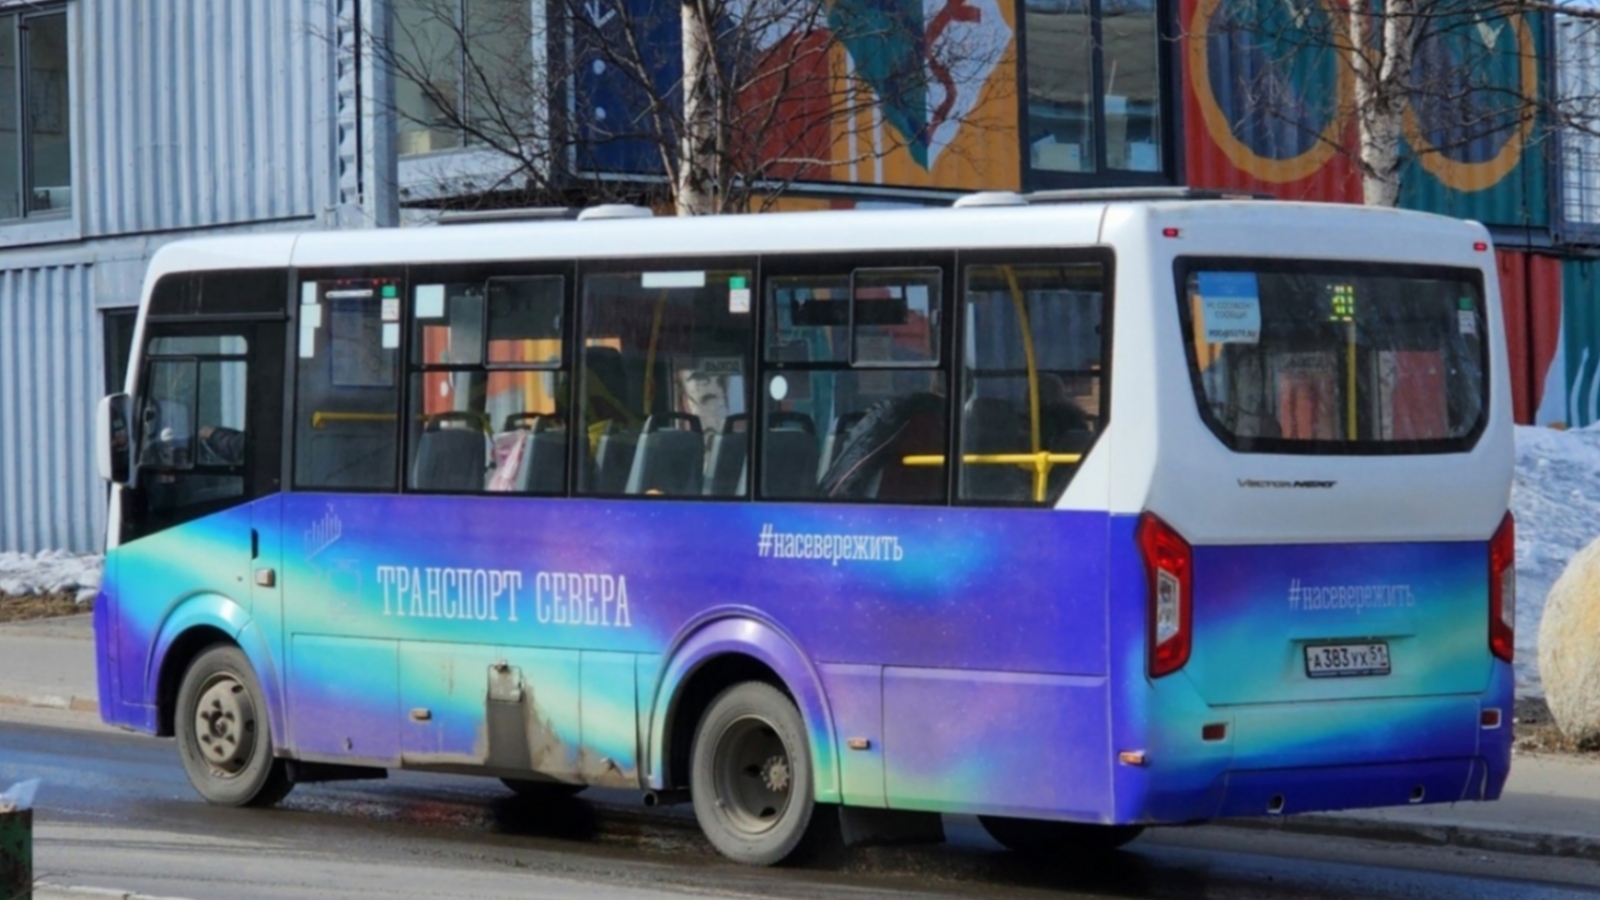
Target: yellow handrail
pixel 1039 463
pixel 320 418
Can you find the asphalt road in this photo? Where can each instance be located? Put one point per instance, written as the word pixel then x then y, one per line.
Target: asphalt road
pixel 116 812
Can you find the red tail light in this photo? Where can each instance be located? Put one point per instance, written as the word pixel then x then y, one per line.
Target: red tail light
pixel 1169 565
pixel 1503 589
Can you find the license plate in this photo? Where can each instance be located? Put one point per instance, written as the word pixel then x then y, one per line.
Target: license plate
pixel 1347 660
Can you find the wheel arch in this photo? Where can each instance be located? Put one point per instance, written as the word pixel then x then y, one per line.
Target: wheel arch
pixel 714 654
pixel 193 625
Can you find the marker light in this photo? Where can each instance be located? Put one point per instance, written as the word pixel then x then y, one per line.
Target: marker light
pixel 1170 232
pixel 1503 589
pixel 1480 246
pixel 1168 562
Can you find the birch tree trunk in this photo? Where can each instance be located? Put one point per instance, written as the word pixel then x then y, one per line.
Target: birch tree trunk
pixel 1381 72
pixel 697 163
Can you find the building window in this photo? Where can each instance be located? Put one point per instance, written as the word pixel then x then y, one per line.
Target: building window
pixel 1094 98
pixel 463 72
pixel 35 121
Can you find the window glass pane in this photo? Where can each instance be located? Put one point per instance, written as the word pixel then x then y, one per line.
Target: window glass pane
pixel 192 434
pixel 10 133
pixel 199 345
pixel 1052 314
pixel 427 64
pixel 525 321
pixel 864 435
pixel 1327 357
pixel 449 324
pixel 347 385
pixel 808 318
pixel 662 384
pixel 49 121
pixel 1060 55
pixel 1133 85
pixel 500 89
pixel 449 432
pixel 896 316
pixel 166 425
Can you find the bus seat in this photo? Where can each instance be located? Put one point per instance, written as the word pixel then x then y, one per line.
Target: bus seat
pixel 613 459
pixel 668 460
pixel 790 456
pixel 991 425
pixel 728 457
pixel 544 457
pixel 832 441
pixel 450 459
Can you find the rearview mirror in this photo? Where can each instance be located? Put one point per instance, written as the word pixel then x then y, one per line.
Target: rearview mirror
pixel 113 445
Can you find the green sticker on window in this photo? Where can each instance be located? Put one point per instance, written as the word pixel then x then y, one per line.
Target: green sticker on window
pixel 736 283
pixel 390 290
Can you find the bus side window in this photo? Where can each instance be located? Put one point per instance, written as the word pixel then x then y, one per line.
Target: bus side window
pixel 662 387
pixel 854 401
pixel 347 388
pixel 1032 378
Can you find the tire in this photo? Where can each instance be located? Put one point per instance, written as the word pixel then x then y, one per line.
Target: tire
pixel 224 735
pixel 751 780
pixel 1040 838
pixel 528 787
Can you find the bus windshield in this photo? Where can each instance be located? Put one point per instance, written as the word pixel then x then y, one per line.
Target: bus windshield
pixel 1327 357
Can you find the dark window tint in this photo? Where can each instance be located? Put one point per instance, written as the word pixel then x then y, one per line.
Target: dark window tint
pixel 220 293
pixel 347 387
pixel 487 391
pixel 1331 357
pixel 1033 378
pixel 663 384
pixel 117 341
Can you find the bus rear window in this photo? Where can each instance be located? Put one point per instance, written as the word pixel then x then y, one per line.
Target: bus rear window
pixel 1327 357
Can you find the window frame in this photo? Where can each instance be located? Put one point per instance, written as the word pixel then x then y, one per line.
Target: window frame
pixel 48 224
pixel 1184 266
pixel 1106 258
pixel 1168 80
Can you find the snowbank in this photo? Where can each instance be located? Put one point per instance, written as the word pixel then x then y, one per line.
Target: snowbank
pixel 1556 499
pixel 49 572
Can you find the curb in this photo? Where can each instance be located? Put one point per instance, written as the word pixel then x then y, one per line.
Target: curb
pixel 53 701
pixel 1469 837
pixel 44 890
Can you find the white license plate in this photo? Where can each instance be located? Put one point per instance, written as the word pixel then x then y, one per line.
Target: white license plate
pixel 1346 660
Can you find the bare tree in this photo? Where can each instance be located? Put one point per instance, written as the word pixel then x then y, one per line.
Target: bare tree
pixel 713 105
pixel 1421 80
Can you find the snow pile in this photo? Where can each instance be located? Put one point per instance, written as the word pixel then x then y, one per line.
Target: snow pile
pixel 1556 499
pixel 49 572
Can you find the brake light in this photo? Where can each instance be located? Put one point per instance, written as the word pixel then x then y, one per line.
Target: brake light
pixel 1503 589
pixel 1168 563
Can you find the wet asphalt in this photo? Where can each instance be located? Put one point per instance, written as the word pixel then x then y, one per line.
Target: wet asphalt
pixel 115 811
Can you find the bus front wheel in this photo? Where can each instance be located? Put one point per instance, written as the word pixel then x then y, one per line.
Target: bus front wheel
pixel 224 738
pixel 751 780
pixel 1037 838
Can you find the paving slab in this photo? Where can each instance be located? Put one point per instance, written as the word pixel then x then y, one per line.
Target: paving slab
pixel 49 663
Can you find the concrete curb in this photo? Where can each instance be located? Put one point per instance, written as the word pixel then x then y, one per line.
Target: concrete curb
pixel 52 701
pixel 44 890
pixel 1468 837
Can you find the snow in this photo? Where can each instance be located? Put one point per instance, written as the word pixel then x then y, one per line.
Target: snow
pixel 1556 499
pixel 1555 496
pixel 49 572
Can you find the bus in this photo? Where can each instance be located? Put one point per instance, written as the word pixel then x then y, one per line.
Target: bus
pixel 1078 512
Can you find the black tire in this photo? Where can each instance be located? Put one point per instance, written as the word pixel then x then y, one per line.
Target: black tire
pixel 528 787
pixel 1040 838
pixel 750 778
pixel 224 735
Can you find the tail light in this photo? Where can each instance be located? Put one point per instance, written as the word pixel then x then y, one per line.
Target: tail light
pixel 1503 589
pixel 1169 564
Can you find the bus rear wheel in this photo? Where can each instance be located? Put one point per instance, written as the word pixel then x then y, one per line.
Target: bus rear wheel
pixel 1040 838
pixel 224 738
pixel 751 780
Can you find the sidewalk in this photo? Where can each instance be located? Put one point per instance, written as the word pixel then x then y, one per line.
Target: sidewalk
pixel 1551 805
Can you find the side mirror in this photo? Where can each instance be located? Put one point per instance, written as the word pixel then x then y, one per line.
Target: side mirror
pixel 113 441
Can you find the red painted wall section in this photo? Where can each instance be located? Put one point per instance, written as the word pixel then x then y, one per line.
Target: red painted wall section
pixel 1530 295
pixel 1229 143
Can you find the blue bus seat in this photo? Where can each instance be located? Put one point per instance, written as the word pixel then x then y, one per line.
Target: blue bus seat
pixel 790 456
pixel 450 459
pixel 728 457
pixel 669 461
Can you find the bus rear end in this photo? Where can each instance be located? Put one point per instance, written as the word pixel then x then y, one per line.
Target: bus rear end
pixel 1315 596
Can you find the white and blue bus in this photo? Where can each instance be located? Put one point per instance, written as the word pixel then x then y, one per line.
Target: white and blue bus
pixel 1077 512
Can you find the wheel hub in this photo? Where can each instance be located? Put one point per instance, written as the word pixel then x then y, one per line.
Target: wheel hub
pixel 775 774
pixel 225 725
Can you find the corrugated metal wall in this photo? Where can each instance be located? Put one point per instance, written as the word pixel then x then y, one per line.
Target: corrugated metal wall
pixel 1530 295
pixel 203 112
pixel 50 378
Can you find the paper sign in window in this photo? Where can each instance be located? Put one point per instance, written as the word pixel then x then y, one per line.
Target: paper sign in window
pixel 1230 307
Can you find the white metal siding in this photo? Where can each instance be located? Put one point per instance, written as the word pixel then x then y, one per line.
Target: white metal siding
pixel 50 378
pixel 198 113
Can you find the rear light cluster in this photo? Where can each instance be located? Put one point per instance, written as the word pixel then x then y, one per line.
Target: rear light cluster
pixel 1169 566
pixel 1503 589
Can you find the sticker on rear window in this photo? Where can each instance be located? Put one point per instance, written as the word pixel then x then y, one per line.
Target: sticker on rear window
pixel 1230 307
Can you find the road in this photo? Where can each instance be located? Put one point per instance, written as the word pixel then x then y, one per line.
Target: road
pixel 116 812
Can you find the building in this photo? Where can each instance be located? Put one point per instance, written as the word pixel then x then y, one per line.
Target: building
pixel 133 124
